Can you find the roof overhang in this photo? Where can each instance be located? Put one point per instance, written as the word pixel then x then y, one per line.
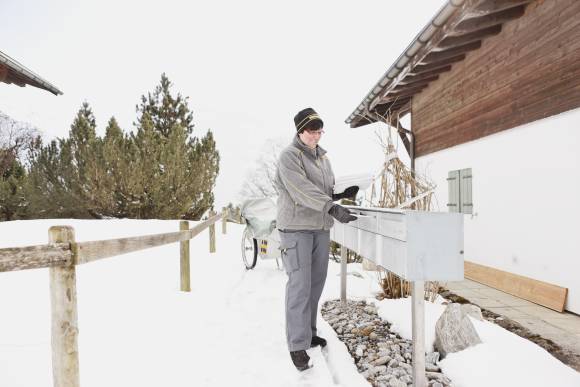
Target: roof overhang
pixel 458 28
pixel 13 72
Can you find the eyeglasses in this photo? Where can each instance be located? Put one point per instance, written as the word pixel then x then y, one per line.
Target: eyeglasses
pixel 315 132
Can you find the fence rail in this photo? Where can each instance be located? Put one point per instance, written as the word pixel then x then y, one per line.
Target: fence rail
pixel 61 256
pixel 35 257
pixel 94 250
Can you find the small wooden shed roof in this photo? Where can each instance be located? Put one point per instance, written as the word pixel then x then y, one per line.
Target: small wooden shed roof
pixel 458 28
pixel 13 72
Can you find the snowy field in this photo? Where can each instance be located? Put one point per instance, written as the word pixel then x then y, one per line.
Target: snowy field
pixel 138 329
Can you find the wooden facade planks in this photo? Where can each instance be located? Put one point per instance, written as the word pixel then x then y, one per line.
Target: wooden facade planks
pixel 529 71
pixel 539 292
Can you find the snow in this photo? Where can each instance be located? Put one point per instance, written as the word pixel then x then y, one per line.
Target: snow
pixel 137 328
pixel 502 359
pixel 398 313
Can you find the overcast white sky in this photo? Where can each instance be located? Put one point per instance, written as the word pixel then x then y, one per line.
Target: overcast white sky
pixel 247 66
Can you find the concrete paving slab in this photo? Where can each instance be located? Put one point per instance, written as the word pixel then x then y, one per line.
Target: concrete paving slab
pixel 485 302
pixel 510 300
pixel 473 285
pixel 569 325
pixel 469 294
pixel 541 312
pixel 495 294
pixel 508 312
pixel 540 327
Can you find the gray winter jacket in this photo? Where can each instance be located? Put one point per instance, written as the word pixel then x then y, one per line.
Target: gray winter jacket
pixel 305 181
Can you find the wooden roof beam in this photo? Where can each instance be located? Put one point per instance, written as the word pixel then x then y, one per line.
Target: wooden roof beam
pixel 391 105
pixel 421 69
pixel 18 79
pixel 15 81
pixel 479 23
pixel 434 57
pixel 425 75
pixel 459 40
pixel 3 73
pixel 493 6
pixel 403 93
pixel 405 84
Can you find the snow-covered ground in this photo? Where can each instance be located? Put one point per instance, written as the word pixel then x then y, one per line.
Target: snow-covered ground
pixel 138 329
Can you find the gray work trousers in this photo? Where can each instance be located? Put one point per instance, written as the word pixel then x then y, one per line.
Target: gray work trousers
pixel 305 257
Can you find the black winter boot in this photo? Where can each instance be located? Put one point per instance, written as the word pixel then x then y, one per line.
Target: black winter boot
pixel 301 360
pixel 317 340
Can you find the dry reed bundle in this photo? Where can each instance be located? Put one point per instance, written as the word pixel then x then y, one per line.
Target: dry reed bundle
pixel 400 187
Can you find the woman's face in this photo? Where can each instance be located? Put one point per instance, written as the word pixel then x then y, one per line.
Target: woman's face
pixel 311 137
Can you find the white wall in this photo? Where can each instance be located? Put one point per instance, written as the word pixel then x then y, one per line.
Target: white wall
pixel 526 197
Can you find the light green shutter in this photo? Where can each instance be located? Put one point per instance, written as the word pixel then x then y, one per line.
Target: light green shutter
pixel 465 191
pixel 453 184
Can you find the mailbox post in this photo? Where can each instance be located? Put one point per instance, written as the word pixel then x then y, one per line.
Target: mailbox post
pixel 418 246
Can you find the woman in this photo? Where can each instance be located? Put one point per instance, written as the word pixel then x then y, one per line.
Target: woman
pixel 305 210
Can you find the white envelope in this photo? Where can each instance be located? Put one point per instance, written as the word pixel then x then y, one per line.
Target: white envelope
pixel 361 180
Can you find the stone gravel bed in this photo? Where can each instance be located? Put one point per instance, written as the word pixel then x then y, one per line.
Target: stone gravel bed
pixel 381 356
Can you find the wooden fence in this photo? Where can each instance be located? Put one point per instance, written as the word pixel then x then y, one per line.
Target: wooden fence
pixel 61 256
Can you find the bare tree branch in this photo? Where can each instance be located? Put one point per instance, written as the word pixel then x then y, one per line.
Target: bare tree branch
pixel 16 138
pixel 260 180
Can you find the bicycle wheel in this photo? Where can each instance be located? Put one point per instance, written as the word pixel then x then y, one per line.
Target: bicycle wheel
pixel 249 249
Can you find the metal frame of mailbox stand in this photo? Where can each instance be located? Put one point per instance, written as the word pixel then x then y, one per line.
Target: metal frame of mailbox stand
pixel 418 246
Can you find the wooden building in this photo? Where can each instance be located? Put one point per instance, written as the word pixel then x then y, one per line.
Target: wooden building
pixel 493 92
pixel 13 72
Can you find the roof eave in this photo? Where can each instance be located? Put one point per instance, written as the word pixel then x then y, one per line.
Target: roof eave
pixel 28 76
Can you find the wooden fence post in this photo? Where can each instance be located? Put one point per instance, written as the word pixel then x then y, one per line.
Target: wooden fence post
pixel 225 214
pixel 184 259
pixel 64 315
pixel 212 234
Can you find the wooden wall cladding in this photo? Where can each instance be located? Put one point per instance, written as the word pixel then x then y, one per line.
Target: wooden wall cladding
pixel 529 71
pixel 542 293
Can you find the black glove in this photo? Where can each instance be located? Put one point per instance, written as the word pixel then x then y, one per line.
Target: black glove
pixel 343 215
pixel 349 193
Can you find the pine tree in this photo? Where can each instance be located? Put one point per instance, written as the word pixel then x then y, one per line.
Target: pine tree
pixel 166 112
pixel 178 170
pixel 80 168
pixel 159 171
pixel 119 167
pixel 205 159
pixel 146 180
pixel 65 176
pixel 13 203
pixel 46 189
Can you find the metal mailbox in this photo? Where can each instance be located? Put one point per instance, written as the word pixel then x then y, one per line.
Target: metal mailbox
pixel 416 245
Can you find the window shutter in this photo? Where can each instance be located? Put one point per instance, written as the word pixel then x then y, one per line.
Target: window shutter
pixel 453 184
pixel 465 191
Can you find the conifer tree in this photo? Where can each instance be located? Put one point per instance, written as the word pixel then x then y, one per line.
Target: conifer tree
pixel 65 175
pixel 13 203
pixel 178 169
pixel 166 111
pixel 161 170
pixel 119 167
pixel 46 188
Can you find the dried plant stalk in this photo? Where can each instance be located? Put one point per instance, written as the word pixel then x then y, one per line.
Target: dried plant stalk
pixel 401 188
